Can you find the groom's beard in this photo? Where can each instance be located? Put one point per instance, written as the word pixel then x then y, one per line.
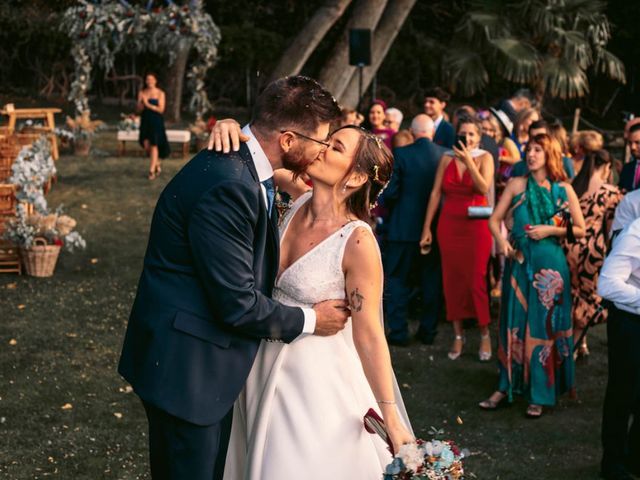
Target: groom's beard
pixel 294 161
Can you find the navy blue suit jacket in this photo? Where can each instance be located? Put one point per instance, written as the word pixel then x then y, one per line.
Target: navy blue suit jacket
pixel 626 176
pixel 203 303
pixel 445 135
pixel 407 195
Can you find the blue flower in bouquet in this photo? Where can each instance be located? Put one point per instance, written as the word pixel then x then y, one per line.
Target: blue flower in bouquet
pixel 446 458
pixel 394 467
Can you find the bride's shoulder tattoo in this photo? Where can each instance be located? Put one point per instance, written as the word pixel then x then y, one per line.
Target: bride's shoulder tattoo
pixel 356 300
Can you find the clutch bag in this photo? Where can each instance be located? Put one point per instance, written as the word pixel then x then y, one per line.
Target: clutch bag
pixel 375 425
pixel 477 211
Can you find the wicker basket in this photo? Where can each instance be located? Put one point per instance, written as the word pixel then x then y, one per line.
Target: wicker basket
pixel 40 260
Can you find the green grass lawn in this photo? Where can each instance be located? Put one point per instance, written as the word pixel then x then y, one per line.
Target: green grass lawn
pixel 66 413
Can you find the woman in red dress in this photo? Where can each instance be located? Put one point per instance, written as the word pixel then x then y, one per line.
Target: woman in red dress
pixel 465 243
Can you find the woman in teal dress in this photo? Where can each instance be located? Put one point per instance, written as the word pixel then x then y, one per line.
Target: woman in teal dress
pixel 536 340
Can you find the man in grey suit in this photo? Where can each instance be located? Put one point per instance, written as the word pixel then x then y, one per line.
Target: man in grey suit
pixel 407 195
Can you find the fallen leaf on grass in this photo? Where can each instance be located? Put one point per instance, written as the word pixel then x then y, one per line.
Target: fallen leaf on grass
pixel 13 341
pixel 94 260
pixel 84 206
pixel 126 389
pixel 66 406
pixel 406 385
pixel 459 420
pixel 21 307
pixel 11 286
pixel 118 415
pixel 71 335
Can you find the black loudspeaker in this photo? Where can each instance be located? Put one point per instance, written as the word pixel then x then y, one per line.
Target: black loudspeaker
pixel 359 46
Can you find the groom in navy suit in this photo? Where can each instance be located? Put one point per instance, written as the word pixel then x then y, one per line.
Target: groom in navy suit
pixel 407 195
pixel 203 301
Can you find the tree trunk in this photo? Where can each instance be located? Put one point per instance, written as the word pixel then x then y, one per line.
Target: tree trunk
pixel 337 72
pixel 301 48
pixel 175 82
pixel 386 32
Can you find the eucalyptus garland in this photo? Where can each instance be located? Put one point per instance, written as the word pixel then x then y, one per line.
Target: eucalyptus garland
pixel 101 29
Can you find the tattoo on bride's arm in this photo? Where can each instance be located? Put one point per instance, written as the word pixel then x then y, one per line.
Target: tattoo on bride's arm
pixel 356 300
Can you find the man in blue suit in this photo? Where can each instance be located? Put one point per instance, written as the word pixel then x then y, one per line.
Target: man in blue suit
pixel 203 301
pixel 407 195
pixel 435 101
pixel 630 174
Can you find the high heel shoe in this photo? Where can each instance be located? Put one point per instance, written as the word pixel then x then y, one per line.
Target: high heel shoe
pixel 484 354
pixel 453 354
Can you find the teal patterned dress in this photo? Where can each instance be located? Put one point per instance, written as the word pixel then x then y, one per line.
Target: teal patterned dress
pixel 536 338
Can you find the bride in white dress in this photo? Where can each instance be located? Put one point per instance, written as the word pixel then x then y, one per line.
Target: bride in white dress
pixel 301 412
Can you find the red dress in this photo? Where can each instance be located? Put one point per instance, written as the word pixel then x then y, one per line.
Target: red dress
pixel 465 247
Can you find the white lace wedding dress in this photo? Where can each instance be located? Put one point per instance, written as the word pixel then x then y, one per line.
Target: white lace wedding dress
pixel 301 412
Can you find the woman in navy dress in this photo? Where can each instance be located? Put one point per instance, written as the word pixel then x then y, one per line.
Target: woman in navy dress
pixel 153 137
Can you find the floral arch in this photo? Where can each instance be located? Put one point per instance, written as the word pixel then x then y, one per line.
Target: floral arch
pixel 101 29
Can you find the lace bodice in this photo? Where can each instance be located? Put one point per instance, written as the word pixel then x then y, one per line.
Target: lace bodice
pixel 317 275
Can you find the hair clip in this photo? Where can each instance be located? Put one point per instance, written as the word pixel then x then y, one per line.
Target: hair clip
pixel 376 168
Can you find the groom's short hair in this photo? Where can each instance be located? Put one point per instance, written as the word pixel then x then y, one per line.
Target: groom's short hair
pixel 295 102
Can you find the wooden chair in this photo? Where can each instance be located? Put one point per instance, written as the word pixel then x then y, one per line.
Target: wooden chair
pixel 9 254
pixel 8 154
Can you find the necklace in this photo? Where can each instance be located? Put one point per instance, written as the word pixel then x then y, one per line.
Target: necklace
pixel 315 218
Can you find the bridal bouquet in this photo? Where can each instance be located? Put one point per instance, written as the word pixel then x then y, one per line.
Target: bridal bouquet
pixel 434 460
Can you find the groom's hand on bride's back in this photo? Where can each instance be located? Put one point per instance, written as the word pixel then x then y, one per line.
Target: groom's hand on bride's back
pixel 226 134
pixel 331 317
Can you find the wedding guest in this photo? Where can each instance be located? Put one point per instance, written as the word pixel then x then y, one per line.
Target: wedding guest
pixel 520 100
pixel 350 116
pixel 628 210
pixel 582 143
pixel 376 124
pixel 402 138
pixel 393 118
pixel 435 101
pixel 487 143
pixel 407 194
pixel 521 125
pixel 619 283
pixel 536 339
pixel 508 153
pixel 630 175
pixel 556 130
pixel 598 201
pixel 153 137
pixel 536 128
pixel 465 179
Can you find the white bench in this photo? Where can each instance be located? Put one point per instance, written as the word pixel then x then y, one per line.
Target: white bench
pixel 173 136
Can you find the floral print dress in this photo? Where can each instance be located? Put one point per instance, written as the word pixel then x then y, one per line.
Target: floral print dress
pixel 535 332
pixel 586 255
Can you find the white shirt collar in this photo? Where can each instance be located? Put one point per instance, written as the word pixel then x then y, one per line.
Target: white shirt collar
pixel 260 160
pixel 437 122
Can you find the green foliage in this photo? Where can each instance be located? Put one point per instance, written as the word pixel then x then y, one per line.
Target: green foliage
pixel 99 31
pixel 551 45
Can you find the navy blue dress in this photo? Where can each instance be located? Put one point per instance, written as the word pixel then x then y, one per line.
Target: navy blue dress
pixel 152 129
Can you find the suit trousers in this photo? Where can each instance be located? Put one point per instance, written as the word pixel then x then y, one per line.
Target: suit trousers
pixel 181 450
pixel 404 268
pixel 620 441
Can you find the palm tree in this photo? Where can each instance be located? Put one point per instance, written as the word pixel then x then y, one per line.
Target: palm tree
pixel 550 45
